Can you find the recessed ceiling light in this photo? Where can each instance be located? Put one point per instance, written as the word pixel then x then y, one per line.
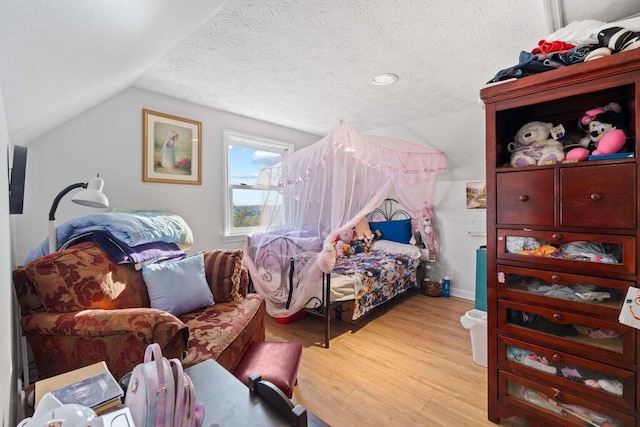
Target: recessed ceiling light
pixel 384 79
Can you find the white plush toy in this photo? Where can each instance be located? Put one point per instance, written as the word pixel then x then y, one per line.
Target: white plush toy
pixel 534 146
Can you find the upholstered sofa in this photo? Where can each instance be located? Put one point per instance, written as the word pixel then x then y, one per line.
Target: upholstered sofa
pixel 78 307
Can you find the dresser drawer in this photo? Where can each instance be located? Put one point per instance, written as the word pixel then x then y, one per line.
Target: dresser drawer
pixel 557 405
pixel 582 335
pixel 526 198
pixel 598 196
pixel 580 252
pixel 612 386
pixel 592 295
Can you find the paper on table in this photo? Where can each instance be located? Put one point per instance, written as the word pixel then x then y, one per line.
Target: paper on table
pixel 630 312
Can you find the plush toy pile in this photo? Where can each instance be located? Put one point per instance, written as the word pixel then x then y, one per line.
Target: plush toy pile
pixel 356 240
pixel 540 143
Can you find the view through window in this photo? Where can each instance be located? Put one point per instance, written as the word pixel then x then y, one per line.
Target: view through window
pixel 245 156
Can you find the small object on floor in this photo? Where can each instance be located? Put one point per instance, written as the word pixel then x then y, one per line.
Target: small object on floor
pixel 446 286
pixel 431 288
pixel 276 362
pixel 295 316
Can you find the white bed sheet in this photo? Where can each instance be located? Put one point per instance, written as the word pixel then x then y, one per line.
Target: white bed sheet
pixel 342 287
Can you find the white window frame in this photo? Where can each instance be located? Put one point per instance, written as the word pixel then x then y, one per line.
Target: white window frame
pixel 232 138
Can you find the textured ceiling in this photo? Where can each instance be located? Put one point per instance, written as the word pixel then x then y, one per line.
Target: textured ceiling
pixel 305 64
pixel 308 64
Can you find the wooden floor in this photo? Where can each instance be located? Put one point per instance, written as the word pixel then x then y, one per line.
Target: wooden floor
pixel 409 365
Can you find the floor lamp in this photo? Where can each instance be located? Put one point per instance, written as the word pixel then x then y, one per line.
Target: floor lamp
pixel 91 196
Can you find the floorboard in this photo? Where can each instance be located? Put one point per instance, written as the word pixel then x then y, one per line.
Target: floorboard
pixel 410 364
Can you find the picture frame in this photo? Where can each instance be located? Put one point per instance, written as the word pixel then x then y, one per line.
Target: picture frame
pixel 171 149
pixel 477 195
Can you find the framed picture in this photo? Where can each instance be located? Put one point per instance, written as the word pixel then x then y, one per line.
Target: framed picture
pixel 171 149
pixel 477 195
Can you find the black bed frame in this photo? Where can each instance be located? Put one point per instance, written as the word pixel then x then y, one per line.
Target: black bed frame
pixel 390 209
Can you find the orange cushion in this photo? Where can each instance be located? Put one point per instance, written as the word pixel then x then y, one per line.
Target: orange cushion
pixel 84 277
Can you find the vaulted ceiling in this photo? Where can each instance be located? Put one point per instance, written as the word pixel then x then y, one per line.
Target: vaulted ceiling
pixel 305 64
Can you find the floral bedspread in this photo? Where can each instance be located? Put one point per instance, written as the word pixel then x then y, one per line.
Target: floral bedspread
pixel 379 276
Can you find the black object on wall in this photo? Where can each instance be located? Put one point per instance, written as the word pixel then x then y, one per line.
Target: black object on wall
pixel 16 184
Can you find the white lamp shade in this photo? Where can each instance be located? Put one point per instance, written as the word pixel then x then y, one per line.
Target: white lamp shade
pixel 92 196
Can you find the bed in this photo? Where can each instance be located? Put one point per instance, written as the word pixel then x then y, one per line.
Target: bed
pixel 314 195
pixel 368 278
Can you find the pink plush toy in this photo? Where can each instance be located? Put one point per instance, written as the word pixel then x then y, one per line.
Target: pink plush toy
pixel 603 133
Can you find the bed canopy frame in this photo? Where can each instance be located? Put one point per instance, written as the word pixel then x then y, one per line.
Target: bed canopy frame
pixel 318 192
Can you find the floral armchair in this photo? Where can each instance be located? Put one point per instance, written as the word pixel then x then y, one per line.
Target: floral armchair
pixel 78 307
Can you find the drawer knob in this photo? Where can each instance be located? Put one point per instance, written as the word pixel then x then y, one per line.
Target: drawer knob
pixel 557 317
pixel 557 236
pixel 596 196
pixel 523 198
pixel 557 394
pixel 557 358
pixel 556 278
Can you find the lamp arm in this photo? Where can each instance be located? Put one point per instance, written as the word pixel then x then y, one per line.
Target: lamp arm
pixel 56 201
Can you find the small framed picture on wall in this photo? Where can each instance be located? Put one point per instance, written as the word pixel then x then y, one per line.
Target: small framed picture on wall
pixel 171 149
pixel 477 195
pixel 477 208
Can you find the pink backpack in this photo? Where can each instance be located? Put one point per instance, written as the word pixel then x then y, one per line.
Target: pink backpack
pixel 160 394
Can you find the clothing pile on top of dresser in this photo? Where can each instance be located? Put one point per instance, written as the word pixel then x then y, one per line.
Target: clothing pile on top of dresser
pixel 577 42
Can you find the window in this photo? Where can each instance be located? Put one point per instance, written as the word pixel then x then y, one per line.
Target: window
pixel 245 155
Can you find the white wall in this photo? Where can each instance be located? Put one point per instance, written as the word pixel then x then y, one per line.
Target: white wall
pixel 461 137
pixel 108 140
pixel 8 351
pixel 457 247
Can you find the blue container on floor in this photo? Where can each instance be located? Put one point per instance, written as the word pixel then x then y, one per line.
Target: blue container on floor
pixel 446 286
pixel 481 278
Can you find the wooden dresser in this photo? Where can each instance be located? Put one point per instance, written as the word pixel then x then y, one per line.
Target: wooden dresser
pixel 562 250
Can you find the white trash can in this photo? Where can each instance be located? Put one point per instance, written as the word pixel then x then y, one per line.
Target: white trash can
pixel 476 322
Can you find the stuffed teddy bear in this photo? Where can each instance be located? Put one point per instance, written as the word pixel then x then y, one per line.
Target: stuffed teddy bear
pixel 343 243
pixel 603 134
pixel 534 146
pixel 347 249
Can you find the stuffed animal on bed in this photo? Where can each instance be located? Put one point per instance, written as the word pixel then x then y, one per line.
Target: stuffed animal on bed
pixel 347 249
pixel 362 230
pixel 364 237
pixel 533 145
pixel 343 243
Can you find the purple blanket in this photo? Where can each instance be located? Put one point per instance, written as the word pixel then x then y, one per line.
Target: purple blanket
pixel 121 253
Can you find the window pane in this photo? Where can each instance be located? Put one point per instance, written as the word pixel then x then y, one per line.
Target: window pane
pixel 245 155
pixel 248 204
pixel 245 163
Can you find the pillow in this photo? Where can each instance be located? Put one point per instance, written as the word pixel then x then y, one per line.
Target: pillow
pixel 84 277
pixel 223 269
pixel 397 248
pixel 178 287
pixel 396 231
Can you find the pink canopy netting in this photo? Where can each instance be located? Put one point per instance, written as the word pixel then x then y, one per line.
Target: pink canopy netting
pixel 324 189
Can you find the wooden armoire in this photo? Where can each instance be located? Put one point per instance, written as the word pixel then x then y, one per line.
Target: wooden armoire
pixel 562 252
